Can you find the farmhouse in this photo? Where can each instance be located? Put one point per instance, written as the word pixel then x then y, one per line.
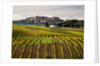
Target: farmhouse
pixel 53 25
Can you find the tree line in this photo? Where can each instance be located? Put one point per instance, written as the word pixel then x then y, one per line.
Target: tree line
pixel 72 23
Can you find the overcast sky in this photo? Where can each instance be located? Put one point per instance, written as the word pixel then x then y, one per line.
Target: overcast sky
pixel 63 11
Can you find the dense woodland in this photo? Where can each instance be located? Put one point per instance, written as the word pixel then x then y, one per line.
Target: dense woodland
pixel 72 23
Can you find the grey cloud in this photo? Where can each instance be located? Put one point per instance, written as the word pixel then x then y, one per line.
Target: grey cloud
pixel 61 11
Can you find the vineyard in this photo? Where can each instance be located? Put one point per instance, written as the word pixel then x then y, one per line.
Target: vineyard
pixel 45 42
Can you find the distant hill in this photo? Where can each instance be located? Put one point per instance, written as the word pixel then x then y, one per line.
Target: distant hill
pixel 39 20
pixel 50 21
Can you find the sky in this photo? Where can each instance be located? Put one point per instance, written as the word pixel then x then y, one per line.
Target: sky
pixel 62 11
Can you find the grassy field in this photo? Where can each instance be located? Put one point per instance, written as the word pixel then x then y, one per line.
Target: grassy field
pixel 44 42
